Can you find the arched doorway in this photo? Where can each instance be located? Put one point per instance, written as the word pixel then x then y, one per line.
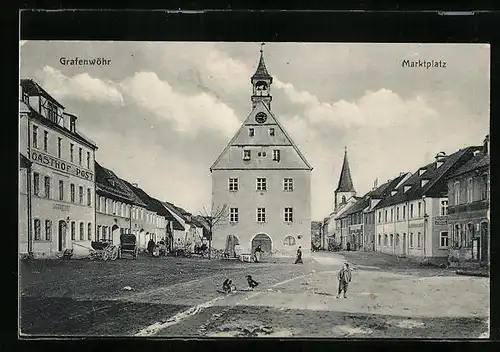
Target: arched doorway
pixel 231 242
pixel 62 235
pixel 115 234
pixel 264 241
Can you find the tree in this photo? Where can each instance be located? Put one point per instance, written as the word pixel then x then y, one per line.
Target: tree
pixel 213 218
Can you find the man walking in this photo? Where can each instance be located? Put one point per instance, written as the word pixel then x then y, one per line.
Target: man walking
pixel 298 258
pixel 344 278
pixel 258 253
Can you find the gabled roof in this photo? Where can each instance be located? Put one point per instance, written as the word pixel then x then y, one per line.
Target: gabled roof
pixel 112 186
pixel 180 213
pixel 377 193
pixel 32 88
pixel 143 196
pixel 300 161
pixel 479 161
pixel 345 180
pixel 435 176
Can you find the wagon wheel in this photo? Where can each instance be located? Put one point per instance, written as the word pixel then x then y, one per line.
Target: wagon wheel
pixel 105 255
pixel 114 253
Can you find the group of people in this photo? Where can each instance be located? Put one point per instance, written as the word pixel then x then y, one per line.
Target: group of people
pixel 258 253
pixel 228 287
pixel 157 249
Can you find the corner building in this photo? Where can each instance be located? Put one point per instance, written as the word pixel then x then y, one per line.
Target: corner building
pixel 264 180
pixel 60 186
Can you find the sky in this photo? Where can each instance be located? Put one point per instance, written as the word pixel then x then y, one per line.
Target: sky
pixel 162 112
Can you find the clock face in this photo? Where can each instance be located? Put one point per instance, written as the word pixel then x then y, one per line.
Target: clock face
pixel 261 117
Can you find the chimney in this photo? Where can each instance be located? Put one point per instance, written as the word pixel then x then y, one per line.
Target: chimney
pixel 486 145
pixel 440 158
pixel 135 185
pixel 402 173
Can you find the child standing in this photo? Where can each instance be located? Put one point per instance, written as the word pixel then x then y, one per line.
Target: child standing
pixel 344 278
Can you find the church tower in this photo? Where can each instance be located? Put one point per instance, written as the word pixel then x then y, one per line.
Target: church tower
pixel 264 181
pixel 345 188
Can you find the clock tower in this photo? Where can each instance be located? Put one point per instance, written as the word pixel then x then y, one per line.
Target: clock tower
pixel 261 83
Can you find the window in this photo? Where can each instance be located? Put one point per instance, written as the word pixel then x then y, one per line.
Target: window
pixel 61 190
pixel 411 240
pixel 72 192
pixel 233 214
pixel 123 208
pixel 45 141
pixel 276 155
pixel 288 184
pixel 246 154
pixel 397 240
pixel 380 216
pixel 443 239
pixel 98 234
pixel 89 231
pixel 456 193
pixel 271 131
pixel 419 240
pixel 36 183
pixel 72 126
pixel 80 156
pixel 88 160
pixel 404 212
pixel 251 132
pixel 59 147
pixel 392 214
pixel 397 213
pixel 411 211
pixel 35 136
pixel 82 231
pixel 73 230
pixel 385 216
pixel 288 214
pixel 444 208
pixel 484 187
pixel 261 214
pixel 419 209
pixel 343 199
pixel 72 152
pixel 48 230
pixel 392 240
pixel 261 184
pixel 469 190
pixel 289 241
pixel 89 197
pixel 379 240
pixel 233 184
pixel 385 240
pixel 51 111
pixel 46 184
pixel 38 235
pixel 80 194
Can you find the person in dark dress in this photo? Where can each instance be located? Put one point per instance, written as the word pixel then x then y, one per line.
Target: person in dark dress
pixel 151 246
pixel 298 260
pixel 251 282
pixel 258 253
pixel 348 246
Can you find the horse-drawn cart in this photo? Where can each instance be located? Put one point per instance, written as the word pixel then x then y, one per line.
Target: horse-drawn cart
pixel 128 244
pixel 103 251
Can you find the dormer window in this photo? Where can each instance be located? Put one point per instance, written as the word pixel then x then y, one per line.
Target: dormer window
pixel 271 131
pixel 406 188
pixel 423 182
pixel 72 125
pixel 246 154
pixel 51 111
pixel 421 171
pixel 251 132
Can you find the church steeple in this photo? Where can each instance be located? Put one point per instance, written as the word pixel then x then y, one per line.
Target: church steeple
pixel 345 188
pixel 261 82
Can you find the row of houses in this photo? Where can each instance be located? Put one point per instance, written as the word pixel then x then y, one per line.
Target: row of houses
pixel 67 199
pixel 438 213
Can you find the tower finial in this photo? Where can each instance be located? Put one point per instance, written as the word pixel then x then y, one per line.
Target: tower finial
pixel 261 46
pixel 345 149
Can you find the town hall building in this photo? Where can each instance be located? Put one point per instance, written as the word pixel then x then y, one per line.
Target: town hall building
pixel 264 181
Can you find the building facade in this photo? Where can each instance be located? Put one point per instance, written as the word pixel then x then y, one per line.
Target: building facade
pixel 412 219
pixel 117 206
pixel 61 187
pixel 468 210
pixel 265 182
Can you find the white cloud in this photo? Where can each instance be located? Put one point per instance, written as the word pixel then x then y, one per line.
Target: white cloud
pixel 189 113
pixel 81 86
